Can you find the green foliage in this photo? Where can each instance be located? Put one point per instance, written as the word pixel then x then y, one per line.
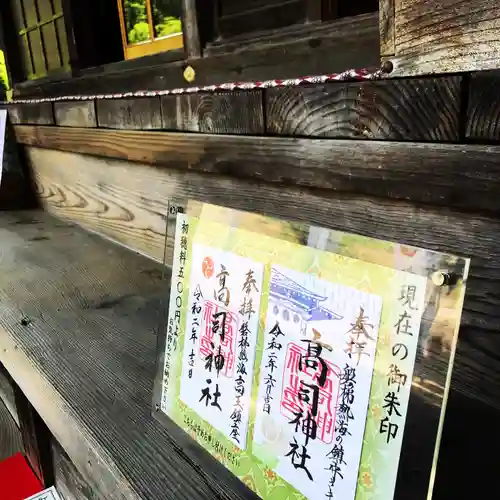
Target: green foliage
pixel 166 15
pixel 171 25
pixel 4 79
pixel 139 33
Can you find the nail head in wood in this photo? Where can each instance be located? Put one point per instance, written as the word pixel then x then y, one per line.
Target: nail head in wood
pixel 387 67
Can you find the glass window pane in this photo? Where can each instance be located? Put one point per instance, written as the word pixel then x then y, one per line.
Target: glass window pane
pixel 30 12
pixel 166 17
pixel 136 21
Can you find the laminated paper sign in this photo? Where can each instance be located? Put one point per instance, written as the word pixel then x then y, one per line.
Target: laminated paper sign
pixel 293 366
pixel 50 494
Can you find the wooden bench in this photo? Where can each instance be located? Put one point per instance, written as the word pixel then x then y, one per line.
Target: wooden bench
pixel 78 323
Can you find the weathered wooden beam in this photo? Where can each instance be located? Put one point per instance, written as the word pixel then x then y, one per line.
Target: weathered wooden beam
pixel 39 114
pixel 143 113
pixel 35 435
pixel 484 107
pixel 387 27
pixel 75 114
pixel 10 437
pixel 68 480
pixel 450 175
pixel 411 110
pixel 445 37
pixel 7 395
pixel 220 113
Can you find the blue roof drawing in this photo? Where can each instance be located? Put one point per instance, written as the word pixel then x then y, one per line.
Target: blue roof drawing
pixel 295 296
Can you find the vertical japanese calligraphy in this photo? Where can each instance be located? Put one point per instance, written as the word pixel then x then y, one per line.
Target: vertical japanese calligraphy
pixel 176 301
pixel 345 414
pixel 247 312
pixel 219 349
pixel 318 353
pixel 398 372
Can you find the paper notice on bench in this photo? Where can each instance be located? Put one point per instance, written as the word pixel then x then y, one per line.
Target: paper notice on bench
pixel 50 494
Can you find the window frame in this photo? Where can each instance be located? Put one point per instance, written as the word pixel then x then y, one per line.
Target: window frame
pixel 152 46
pixel 23 29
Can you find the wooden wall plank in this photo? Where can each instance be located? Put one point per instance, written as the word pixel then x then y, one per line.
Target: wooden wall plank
pixel 387 27
pixel 36 439
pixel 68 480
pixel 141 113
pixel 484 107
pixel 10 436
pixel 418 172
pixel 127 202
pixel 411 110
pixel 7 395
pixel 221 113
pixel 448 36
pixel 36 114
pixel 75 114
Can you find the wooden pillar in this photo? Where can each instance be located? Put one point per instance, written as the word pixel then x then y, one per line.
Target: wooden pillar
pixel 190 29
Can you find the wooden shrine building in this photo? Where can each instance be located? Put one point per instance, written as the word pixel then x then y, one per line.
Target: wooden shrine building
pixel 406 149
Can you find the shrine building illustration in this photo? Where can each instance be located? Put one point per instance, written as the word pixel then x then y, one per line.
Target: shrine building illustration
pixel 296 304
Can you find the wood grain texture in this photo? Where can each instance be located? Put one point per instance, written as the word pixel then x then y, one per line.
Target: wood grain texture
pixel 449 36
pixel 36 437
pixel 387 13
pixel 449 175
pixel 108 186
pixel 75 114
pixel 10 436
pixel 221 113
pixel 190 29
pixel 68 480
pixel 483 111
pixel 411 110
pixel 86 361
pixel 7 394
pixel 37 114
pixel 141 113
pixel 326 48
